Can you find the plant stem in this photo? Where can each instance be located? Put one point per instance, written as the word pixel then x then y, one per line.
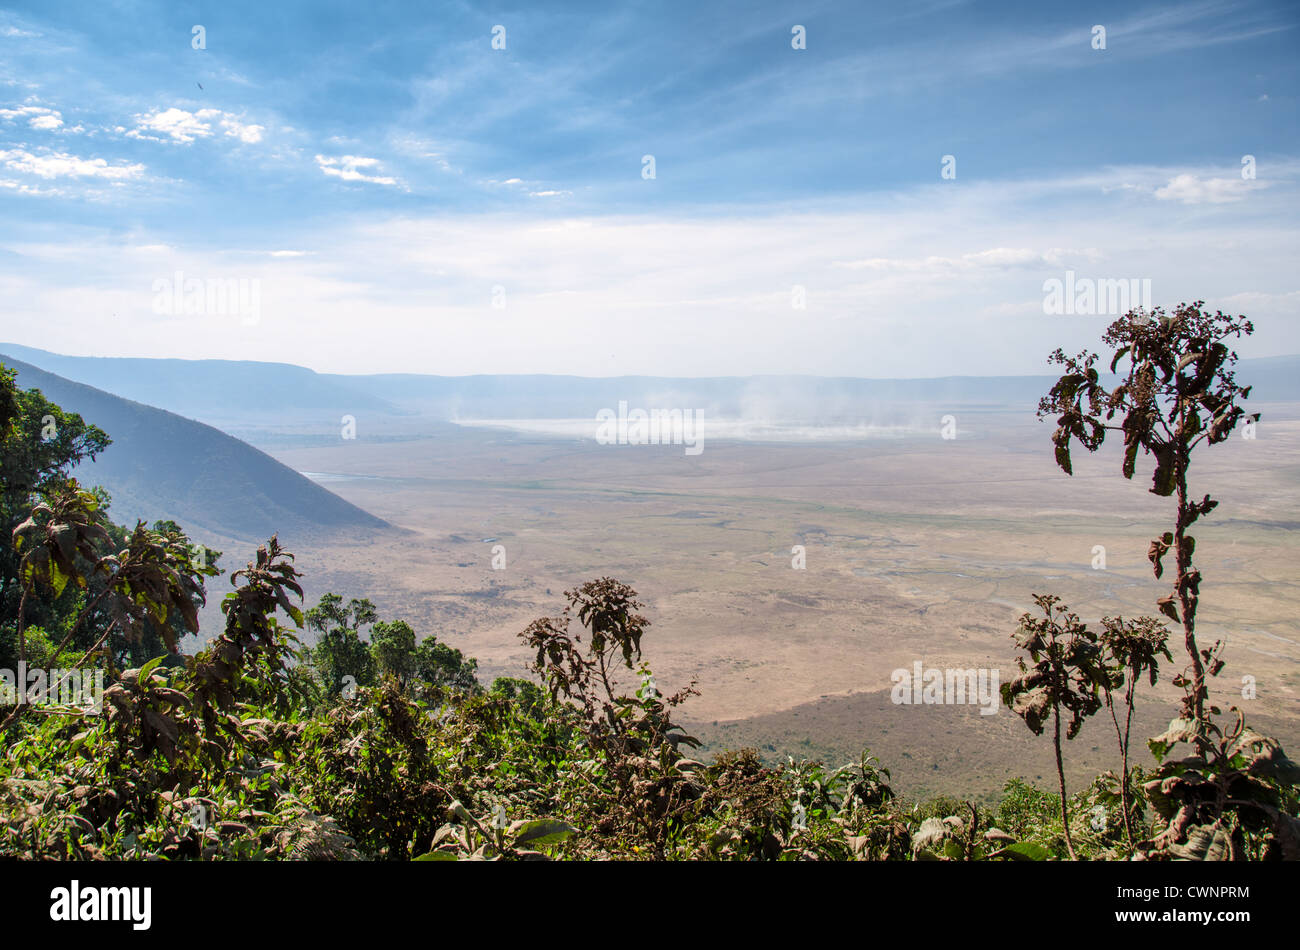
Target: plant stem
pixel 1128 732
pixel 1060 774
pixel 22 626
pixel 1123 751
pixel 1185 602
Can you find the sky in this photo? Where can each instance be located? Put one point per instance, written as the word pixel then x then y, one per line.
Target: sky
pixel 670 189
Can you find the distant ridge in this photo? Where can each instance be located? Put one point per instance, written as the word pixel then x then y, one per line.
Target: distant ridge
pixel 207 388
pixel 226 392
pixel 161 465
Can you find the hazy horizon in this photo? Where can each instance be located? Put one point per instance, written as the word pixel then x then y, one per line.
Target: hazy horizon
pixel 1044 372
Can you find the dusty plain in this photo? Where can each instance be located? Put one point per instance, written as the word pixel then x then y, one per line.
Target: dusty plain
pixel 917 548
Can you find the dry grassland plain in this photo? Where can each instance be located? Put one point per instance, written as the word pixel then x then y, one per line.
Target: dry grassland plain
pixel 917 549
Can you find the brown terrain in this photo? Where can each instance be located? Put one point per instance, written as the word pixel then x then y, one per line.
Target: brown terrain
pixel 917 548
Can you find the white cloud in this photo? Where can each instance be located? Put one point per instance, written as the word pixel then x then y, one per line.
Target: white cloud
pixel 287 253
pixel 995 258
pixel 1192 190
pixel 249 134
pixel 520 184
pixel 346 167
pixel 38 117
pixel 688 293
pixel 417 147
pixel 63 165
pixel 25 189
pixel 178 125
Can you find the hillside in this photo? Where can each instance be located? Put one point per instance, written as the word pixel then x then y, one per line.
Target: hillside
pixel 207 389
pixel 161 465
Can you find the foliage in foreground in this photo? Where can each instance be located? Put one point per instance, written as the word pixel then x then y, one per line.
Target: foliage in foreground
pixel 228 757
pixel 256 749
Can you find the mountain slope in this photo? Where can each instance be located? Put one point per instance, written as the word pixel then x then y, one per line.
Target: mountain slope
pixel 207 388
pixel 161 465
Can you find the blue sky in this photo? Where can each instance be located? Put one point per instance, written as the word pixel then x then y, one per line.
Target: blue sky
pixel 408 198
